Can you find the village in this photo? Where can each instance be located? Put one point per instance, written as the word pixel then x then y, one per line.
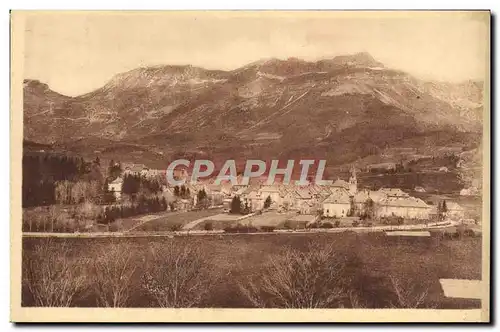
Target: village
pixel 340 204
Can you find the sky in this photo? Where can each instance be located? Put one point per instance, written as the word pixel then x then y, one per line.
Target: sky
pixel 77 52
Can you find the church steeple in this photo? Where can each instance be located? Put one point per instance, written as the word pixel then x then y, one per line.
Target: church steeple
pixel 353 182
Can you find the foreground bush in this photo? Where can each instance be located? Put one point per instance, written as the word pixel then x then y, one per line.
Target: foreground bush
pixel 53 278
pixel 177 275
pixel 409 293
pixel 113 269
pixel 294 279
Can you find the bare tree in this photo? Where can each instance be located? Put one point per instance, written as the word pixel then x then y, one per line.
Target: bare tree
pixel 177 275
pixel 113 270
pixel 51 275
pixel 295 279
pixel 409 293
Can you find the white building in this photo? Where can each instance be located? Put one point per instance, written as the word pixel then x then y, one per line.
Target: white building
pixel 403 206
pixel 115 187
pixel 454 211
pixel 338 204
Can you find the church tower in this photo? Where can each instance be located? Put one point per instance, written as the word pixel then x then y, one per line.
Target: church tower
pixel 353 182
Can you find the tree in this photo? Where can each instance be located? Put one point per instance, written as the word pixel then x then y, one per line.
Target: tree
pixel 316 278
pixel 202 198
pixel 350 213
pixel 409 293
pixel 442 209
pixel 236 205
pixel 164 203
pixel 114 169
pixel 246 209
pixel 369 208
pixel 53 275
pixel 112 274
pixel 108 196
pixel 177 275
pixel 267 202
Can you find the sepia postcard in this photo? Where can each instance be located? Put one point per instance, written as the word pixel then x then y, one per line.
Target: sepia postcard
pixel 250 166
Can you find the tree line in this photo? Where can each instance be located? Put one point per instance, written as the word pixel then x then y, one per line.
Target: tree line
pixel 134 184
pixel 41 172
pixel 142 206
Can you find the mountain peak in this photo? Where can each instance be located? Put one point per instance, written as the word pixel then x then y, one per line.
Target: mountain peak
pixel 35 84
pixel 360 59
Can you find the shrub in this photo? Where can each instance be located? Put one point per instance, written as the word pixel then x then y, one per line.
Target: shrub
pixel 313 225
pixel 177 275
pixel 355 223
pixel 208 226
pixel 409 293
pixel 267 228
pixel 240 229
pixel 52 276
pixel 115 226
pixel 112 273
pixel 175 227
pixel 326 225
pixel 293 279
pixel 337 223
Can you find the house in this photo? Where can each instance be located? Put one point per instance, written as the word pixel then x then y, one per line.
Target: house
pixel 454 211
pixel 154 173
pixel 226 203
pixel 215 194
pixel 115 187
pixel 253 199
pixel 393 192
pixel 168 193
pixel 419 189
pixel 381 167
pixel 288 200
pixel 339 183
pixel 183 205
pixel 338 204
pixel 240 191
pixel 304 201
pixel 472 191
pixel 134 169
pixel 144 171
pixel 273 192
pixel 403 206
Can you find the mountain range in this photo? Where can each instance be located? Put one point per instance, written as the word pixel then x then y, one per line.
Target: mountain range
pixel 342 109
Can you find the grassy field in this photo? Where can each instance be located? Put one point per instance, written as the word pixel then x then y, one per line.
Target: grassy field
pixel 268 218
pixel 228 264
pixel 175 219
pixel 271 218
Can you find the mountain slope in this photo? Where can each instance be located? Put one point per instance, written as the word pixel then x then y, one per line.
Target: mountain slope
pixel 341 109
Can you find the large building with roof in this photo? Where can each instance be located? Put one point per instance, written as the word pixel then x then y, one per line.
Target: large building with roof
pixel 338 204
pixel 403 206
